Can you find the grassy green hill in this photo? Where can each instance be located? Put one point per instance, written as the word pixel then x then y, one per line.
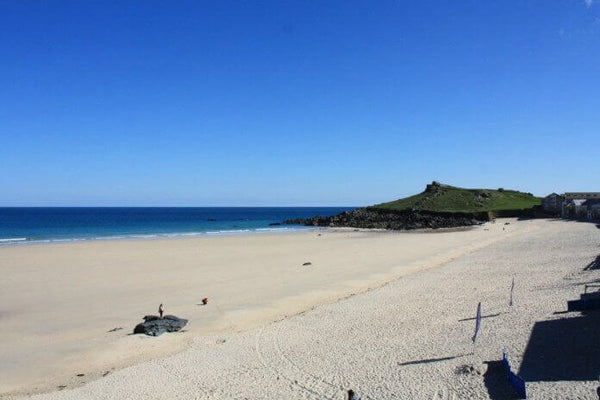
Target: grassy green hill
pixel 444 198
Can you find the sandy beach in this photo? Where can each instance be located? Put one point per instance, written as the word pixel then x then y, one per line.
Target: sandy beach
pixel 388 314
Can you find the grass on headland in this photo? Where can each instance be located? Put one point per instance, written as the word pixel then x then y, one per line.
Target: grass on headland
pixel 444 198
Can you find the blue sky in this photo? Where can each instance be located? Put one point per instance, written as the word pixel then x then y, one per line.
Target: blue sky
pixel 231 103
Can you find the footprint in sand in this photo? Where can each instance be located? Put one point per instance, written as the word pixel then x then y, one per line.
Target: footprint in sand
pixel 444 394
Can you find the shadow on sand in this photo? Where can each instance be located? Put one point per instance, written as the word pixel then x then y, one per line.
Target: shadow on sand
pixel 432 360
pixel 496 382
pixel 482 317
pixel 593 265
pixel 563 350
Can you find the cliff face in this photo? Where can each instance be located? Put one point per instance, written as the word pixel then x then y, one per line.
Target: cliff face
pixel 372 218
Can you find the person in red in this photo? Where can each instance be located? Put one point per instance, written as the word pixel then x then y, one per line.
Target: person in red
pixel 161 310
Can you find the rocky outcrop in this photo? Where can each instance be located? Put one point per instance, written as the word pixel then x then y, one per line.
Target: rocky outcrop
pixel 154 325
pixel 373 218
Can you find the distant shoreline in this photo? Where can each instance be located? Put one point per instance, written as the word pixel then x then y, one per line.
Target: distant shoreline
pixel 287 230
pixel 26 225
pixel 7 242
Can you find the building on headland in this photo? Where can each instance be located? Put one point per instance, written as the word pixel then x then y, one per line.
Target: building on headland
pixel 593 209
pixel 574 205
pixel 574 209
pixel 582 195
pixel 552 204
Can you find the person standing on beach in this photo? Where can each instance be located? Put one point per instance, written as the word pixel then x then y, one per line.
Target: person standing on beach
pixel 161 310
pixel 352 395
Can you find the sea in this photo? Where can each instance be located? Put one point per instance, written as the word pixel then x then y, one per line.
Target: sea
pixel 23 225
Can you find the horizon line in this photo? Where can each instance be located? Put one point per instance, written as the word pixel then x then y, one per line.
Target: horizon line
pixel 328 206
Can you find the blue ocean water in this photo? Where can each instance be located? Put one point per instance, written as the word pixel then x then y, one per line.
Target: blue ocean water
pixel 22 225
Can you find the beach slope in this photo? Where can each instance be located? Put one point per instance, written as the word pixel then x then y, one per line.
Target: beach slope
pixel 406 338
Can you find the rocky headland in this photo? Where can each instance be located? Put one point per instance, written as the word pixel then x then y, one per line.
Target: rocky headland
pixel 438 206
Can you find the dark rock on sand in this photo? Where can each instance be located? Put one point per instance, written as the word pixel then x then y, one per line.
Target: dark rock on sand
pixel 469 369
pixel 155 326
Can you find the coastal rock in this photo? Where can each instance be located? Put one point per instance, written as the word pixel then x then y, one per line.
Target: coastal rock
pixel 154 325
pixel 372 218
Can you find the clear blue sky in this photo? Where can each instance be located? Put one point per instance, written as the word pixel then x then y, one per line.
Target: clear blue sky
pixel 225 103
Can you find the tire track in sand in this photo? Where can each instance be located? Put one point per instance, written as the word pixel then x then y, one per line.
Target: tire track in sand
pixel 316 387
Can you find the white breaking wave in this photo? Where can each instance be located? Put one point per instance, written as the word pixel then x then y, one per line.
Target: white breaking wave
pixel 173 235
pixel 8 240
pixel 227 232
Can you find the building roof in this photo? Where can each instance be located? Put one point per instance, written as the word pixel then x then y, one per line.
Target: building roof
pixel 582 195
pixel 592 202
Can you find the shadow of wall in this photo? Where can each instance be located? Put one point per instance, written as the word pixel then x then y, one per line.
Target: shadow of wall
pixel 563 350
pixel 593 265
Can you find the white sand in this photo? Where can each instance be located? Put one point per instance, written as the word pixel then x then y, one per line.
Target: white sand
pixel 375 342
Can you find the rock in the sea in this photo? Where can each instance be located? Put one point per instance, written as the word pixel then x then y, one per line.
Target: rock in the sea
pixel 154 325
